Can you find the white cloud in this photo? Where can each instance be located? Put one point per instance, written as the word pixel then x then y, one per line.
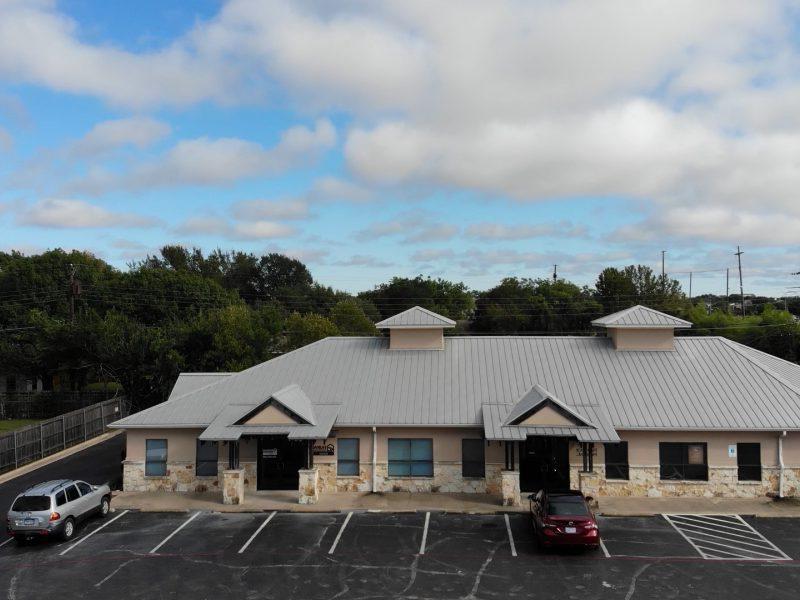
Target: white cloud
pixel 245 231
pixel 500 231
pixel 418 226
pixel 59 213
pixel 106 136
pixel 271 209
pixel 362 260
pixel 205 161
pixel 714 223
pixel 41 46
pixel 261 230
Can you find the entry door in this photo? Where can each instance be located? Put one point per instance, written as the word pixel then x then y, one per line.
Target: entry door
pixel 279 460
pixel 544 464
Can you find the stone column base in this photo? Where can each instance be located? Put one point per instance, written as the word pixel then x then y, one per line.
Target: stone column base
pixel 590 486
pixel 308 486
pixel 233 486
pixel 510 488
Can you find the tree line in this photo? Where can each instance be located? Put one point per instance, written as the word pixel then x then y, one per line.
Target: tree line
pixel 184 310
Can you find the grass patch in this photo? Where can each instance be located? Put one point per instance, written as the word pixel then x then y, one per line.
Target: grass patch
pixel 11 424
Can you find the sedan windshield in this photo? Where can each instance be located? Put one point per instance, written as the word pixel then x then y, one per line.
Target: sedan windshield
pixel 568 508
pixel 31 503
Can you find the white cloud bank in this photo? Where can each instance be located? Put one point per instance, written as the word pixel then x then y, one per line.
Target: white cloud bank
pixel 675 102
pixel 205 161
pixel 58 213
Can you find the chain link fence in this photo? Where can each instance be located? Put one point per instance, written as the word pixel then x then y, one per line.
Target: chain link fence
pixel 27 444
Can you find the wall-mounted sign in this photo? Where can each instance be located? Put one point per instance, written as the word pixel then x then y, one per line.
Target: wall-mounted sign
pixel 324 449
pixel 269 453
pixel 731 450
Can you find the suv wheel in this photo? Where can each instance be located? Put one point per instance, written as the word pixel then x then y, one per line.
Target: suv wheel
pixel 69 529
pixel 105 506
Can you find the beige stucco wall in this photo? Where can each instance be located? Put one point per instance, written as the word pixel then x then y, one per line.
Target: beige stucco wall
pixel 642 339
pixel 643 445
pixel 181 443
pixel 547 416
pixel 270 415
pixel 416 339
pixel 446 443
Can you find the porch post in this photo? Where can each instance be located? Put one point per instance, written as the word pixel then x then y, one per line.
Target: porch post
pixel 233 455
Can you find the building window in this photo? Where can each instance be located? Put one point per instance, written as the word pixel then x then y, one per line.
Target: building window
pixel 683 461
pixel 347 457
pixel 207 456
pixel 748 458
pixel 155 458
pixel 473 462
pixel 617 460
pixel 411 458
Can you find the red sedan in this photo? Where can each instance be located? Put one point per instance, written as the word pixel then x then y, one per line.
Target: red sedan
pixel 564 519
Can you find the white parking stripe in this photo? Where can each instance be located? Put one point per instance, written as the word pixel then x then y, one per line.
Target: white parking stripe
pixel 86 537
pixel 169 537
pixel 694 528
pixel 714 541
pixel 4 543
pixel 425 533
pixel 339 535
pixel 510 537
pixel 730 527
pixel 252 537
pixel 604 549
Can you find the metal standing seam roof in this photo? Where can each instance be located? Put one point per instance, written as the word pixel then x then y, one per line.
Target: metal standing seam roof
pixel 190 382
pixel 224 427
pixel 705 383
pixel 641 316
pixel 416 317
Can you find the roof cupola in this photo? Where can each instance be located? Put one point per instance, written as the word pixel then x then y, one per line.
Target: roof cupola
pixel 416 329
pixel 641 328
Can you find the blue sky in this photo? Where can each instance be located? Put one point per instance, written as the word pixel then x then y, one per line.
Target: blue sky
pixel 397 138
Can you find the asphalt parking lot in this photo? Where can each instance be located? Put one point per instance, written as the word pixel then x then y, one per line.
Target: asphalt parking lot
pixel 408 555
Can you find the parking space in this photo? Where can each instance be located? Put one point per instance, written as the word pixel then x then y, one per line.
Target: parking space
pixel 320 555
pixel 725 537
pixel 646 537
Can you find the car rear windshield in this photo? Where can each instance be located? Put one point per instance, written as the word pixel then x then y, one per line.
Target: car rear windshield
pixel 31 503
pixel 567 507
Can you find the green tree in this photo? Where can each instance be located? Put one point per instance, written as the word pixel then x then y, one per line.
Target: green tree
pixel 447 298
pixel 349 318
pixel 305 329
pixel 618 289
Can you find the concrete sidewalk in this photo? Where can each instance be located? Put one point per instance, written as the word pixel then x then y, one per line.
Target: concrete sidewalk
pixel 453 503
pixel 759 507
pixel 330 502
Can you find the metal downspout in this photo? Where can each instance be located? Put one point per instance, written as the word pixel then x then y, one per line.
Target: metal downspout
pixel 780 463
pixel 374 459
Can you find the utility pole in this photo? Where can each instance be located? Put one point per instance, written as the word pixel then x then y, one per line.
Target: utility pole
pixel 663 272
pixel 727 289
pixel 738 255
pixel 555 273
pixel 690 286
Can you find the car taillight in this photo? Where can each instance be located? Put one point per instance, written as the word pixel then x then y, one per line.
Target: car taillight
pixel 55 516
pixel 550 525
pixel 591 526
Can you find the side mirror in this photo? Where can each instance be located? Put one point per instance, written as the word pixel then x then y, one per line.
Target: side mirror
pixel 589 499
pixel 95 487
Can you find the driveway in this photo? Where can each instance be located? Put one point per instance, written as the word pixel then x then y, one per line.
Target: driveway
pixel 101 463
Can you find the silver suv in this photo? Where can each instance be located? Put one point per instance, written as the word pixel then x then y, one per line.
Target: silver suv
pixel 54 508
